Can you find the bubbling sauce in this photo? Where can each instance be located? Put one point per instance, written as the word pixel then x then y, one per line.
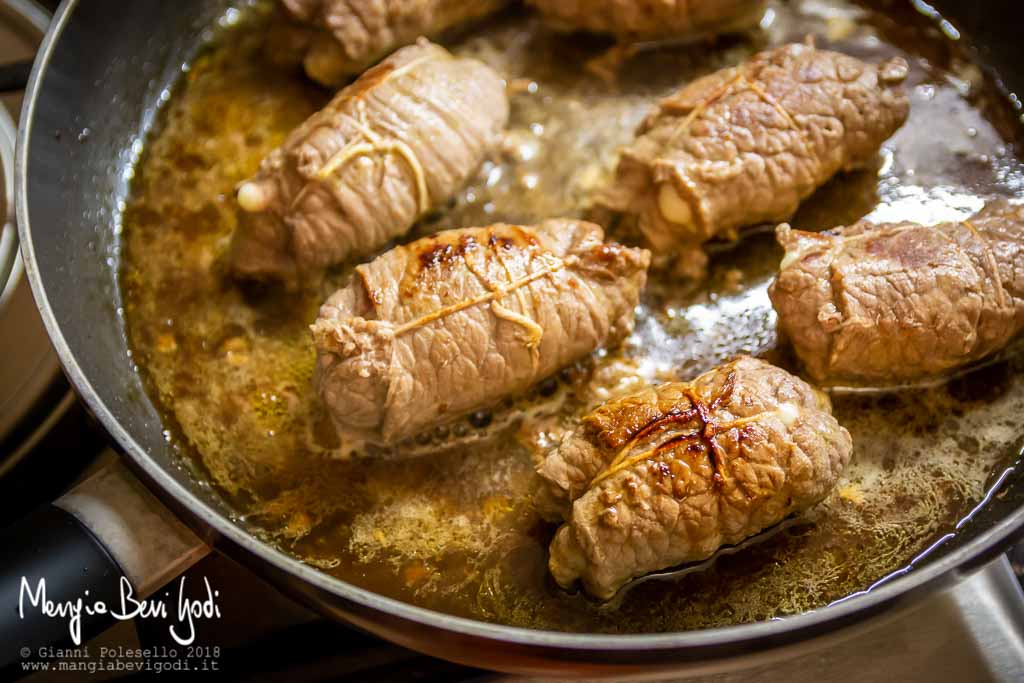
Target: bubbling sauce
pixel 230 366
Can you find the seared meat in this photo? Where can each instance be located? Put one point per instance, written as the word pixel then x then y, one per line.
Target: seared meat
pixel 401 139
pixel 889 303
pixel 458 321
pixel 341 38
pixel 669 475
pixel 653 19
pixel 568 470
pixel 747 144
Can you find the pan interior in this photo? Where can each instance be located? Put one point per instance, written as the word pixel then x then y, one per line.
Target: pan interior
pixel 230 367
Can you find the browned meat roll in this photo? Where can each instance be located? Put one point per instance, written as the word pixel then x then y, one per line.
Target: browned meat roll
pixel 669 475
pixel 458 321
pixel 401 139
pixel 897 302
pixel 652 19
pixel 747 144
pixel 338 39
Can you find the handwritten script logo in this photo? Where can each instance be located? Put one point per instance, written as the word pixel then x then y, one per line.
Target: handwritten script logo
pixel 188 611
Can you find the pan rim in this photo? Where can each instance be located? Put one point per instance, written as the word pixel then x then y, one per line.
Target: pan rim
pixel 745 638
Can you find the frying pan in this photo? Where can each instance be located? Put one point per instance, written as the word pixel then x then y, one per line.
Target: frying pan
pixel 93 93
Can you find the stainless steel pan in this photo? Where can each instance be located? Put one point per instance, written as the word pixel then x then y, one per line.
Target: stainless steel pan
pixel 93 92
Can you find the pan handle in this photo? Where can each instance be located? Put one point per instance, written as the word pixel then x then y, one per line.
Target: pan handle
pixel 109 541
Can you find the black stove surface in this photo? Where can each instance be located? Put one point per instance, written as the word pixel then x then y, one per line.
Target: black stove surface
pixel 59 458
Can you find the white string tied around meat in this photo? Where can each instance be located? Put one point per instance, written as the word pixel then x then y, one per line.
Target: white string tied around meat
pixel 374 143
pixel 552 264
pixel 371 143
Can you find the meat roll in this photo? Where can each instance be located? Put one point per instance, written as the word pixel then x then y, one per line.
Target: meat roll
pixel 747 144
pixel 338 39
pixel 658 19
pixel 897 302
pixel 458 321
pixel 669 475
pixel 401 139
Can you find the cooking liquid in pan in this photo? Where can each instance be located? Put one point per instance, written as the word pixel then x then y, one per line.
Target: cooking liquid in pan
pixel 230 367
